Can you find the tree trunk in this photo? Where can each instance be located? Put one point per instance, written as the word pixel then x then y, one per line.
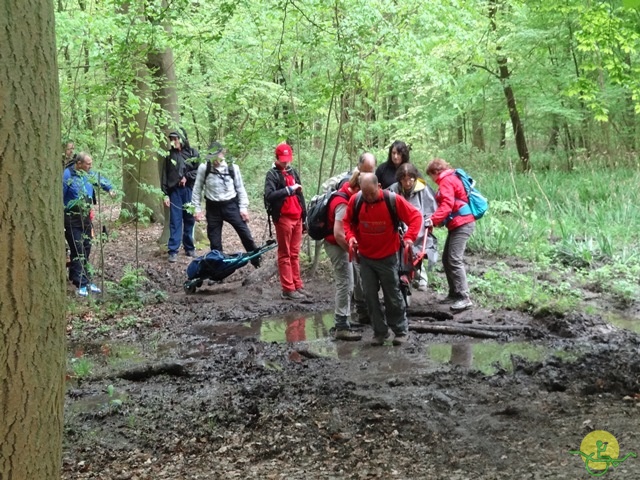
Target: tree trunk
pixel 554 134
pixel 503 135
pixel 505 76
pixel 32 297
pixel 477 132
pixel 139 170
pixel 163 69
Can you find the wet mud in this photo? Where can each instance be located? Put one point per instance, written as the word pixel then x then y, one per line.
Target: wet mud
pixel 234 382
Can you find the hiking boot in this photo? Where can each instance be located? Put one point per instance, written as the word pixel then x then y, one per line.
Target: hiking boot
pixel 83 292
pixel 461 305
pixel 400 340
pixel 378 340
pixel 293 295
pixel 94 288
pixel 302 291
pixel 448 300
pixel 190 253
pixel 173 257
pixel 348 335
pixel 256 262
pixel 361 322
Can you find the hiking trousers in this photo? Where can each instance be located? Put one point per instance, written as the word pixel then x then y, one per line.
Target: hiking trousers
pixel 384 273
pixel 343 279
pixel 181 222
pixel 453 259
pixel 77 232
pixel 228 211
pixel 289 236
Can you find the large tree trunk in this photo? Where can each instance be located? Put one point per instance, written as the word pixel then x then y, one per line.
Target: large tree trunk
pixel 32 358
pixel 139 169
pixel 163 69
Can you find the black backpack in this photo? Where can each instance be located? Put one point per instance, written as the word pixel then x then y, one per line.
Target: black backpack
pixel 389 199
pixel 230 169
pixel 318 225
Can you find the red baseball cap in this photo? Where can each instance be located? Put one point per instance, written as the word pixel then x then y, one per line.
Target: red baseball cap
pixel 284 152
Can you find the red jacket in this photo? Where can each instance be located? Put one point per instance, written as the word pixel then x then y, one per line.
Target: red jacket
pixel 451 197
pixel 333 204
pixel 377 238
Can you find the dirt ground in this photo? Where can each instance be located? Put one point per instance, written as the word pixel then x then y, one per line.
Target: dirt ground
pixel 233 382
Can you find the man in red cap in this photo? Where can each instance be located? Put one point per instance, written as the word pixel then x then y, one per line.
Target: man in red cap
pixel 285 204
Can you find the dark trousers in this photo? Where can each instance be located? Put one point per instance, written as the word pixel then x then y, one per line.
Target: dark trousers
pixel 181 222
pixel 77 232
pixel 218 212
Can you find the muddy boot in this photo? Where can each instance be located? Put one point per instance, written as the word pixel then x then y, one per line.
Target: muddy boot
pixel 348 335
pixel 400 339
pixel 378 340
pixel 461 305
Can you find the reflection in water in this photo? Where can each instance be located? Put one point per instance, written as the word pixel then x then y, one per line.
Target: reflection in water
pixel 490 356
pixel 294 332
pixel 305 331
pixel 622 321
pixel 462 354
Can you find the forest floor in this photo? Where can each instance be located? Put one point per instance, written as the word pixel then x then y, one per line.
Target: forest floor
pixel 234 382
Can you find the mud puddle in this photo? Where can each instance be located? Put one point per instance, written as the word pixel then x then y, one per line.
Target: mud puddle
pixel 312 333
pixel 620 320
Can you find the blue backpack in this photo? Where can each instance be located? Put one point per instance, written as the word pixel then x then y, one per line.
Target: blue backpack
pixel 477 205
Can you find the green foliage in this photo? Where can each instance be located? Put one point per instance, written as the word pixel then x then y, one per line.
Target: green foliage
pixel 505 287
pixel 81 367
pixel 131 291
pixel 619 279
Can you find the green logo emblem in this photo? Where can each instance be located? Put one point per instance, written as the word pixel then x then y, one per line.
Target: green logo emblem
pixel 600 451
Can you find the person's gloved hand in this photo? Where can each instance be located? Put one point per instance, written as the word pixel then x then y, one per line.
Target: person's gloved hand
pixel 428 223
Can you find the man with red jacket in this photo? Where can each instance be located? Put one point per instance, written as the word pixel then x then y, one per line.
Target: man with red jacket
pixel 373 233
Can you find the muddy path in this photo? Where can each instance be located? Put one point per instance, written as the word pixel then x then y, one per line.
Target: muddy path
pixel 233 382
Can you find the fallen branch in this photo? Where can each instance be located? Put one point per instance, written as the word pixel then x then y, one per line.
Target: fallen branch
pixel 475 326
pixel 452 330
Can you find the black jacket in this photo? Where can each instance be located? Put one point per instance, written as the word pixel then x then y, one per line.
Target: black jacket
pixel 386 174
pixel 178 164
pixel 275 191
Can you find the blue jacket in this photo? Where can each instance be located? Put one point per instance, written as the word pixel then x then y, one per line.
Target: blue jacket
pixel 78 189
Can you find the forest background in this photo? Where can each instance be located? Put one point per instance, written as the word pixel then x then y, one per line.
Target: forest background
pixel 538 100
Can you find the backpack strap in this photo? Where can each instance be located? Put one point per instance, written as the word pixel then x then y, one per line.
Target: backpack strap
pixel 230 169
pixel 389 200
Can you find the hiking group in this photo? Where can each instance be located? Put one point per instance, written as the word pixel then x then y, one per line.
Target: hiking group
pixel 375 223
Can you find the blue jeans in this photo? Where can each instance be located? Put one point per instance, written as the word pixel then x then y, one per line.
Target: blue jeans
pixel 181 222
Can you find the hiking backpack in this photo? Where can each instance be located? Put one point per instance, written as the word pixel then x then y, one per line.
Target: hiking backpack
pixel 318 225
pixel 477 204
pixel 389 199
pixel 336 182
pixel 230 169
